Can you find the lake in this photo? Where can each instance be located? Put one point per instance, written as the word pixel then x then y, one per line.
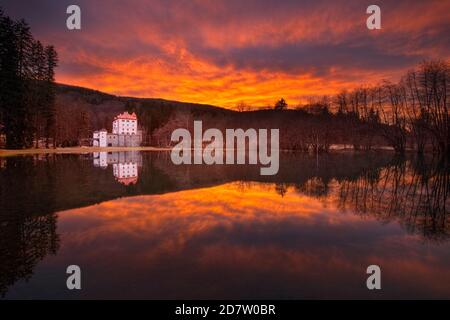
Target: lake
pixel 141 227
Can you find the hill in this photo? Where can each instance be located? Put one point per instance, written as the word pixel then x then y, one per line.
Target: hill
pixel 80 111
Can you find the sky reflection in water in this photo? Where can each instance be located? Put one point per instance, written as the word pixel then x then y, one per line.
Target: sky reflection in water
pixel 238 240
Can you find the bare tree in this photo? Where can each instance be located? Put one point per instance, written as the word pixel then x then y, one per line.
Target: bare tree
pixel 242 106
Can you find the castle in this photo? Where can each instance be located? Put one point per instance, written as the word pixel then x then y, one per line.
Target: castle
pixel 125 133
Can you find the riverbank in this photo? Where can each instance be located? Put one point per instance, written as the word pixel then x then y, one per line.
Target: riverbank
pixel 81 150
pixel 8 152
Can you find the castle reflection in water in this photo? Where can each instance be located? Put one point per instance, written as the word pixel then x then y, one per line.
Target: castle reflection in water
pixel 125 165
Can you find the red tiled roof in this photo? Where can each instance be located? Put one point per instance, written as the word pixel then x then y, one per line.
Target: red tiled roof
pixel 126 116
pixel 128 181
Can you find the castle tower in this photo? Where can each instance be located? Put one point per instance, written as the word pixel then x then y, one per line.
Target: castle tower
pixel 125 123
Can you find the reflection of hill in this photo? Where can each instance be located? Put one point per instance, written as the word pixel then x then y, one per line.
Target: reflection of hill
pixel 412 191
pixel 295 168
pixel 32 186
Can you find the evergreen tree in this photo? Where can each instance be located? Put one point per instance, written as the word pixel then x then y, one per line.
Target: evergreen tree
pixel 37 91
pixel 11 85
pixel 281 104
pixel 49 112
pixel 27 94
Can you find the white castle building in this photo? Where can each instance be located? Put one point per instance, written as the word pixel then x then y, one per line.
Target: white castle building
pixel 125 133
pixel 125 123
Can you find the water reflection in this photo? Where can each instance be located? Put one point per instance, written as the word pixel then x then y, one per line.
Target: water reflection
pixel 24 242
pixel 225 231
pixel 125 165
pixel 414 192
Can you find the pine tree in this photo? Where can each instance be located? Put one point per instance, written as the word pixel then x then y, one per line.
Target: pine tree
pixel 49 107
pixel 11 85
pixel 27 94
pixel 37 91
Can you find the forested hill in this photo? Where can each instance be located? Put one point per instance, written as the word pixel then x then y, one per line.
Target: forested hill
pixel 100 99
pixel 80 111
pixel 312 127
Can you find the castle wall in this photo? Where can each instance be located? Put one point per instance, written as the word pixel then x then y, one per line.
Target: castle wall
pixel 100 138
pixel 124 140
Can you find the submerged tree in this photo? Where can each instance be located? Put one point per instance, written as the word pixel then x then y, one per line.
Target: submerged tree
pixel 414 111
pixel 427 96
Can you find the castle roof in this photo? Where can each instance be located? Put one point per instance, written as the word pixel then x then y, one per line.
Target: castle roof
pixel 126 116
pixel 128 181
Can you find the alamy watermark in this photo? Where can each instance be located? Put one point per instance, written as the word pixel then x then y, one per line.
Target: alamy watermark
pixel 373 22
pixel 208 147
pixel 374 280
pixel 73 21
pixel 74 280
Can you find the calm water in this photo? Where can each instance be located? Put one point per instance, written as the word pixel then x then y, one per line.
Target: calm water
pixel 140 227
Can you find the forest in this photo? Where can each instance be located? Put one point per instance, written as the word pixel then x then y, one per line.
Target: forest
pixel 27 80
pixel 413 112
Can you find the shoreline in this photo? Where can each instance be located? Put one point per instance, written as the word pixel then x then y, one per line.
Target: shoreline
pixel 77 150
pixel 85 150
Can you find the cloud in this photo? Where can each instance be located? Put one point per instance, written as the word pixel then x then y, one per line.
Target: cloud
pixel 305 57
pixel 221 52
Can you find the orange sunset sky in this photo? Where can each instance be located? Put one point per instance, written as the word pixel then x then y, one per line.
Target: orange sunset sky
pixel 223 52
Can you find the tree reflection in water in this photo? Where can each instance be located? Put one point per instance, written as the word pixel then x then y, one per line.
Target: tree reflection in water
pixel 415 192
pixel 412 191
pixel 24 242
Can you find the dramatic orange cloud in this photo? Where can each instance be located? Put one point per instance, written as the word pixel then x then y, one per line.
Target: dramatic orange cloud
pixel 224 52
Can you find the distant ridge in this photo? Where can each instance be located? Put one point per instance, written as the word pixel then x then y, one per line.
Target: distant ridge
pixel 93 93
pixel 81 111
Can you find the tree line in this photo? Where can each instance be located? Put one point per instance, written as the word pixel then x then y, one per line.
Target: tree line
pixel 410 114
pixel 415 110
pixel 27 86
